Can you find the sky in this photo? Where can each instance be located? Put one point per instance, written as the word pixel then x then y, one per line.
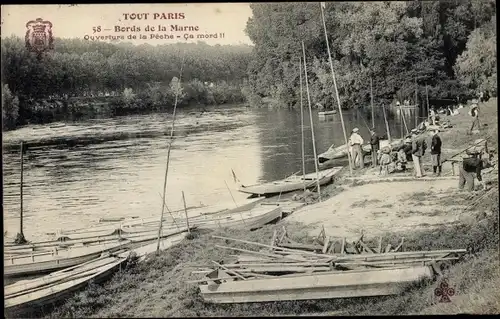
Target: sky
pixel 224 23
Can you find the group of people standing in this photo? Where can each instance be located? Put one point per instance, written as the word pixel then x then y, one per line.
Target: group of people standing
pixel 412 149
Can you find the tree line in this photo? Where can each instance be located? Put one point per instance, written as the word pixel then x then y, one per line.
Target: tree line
pixel 74 78
pixel 448 46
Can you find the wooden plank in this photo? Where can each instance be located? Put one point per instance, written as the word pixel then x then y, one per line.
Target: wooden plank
pixel 342 247
pixel 379 249
pixel 366 248
pixel 309 247
pixel 277 248
pixel 400 246
pixel 257 253
pixel 229 270
pixel 273 240
pixel 325 246
pixel 388 248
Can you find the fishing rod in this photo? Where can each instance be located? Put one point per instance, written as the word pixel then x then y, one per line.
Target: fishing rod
pixel 177 89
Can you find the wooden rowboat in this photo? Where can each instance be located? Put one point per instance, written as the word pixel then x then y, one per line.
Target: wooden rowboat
pixel 250 219
pixel 291 183
pixel 326 285
pixel 59 286
pixel 45 246
pixel 59 258
pixel 28 294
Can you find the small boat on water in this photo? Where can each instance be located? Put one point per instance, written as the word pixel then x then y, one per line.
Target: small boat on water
pixel 291 183
pixel 27 295
pixel 321 285
pixel 326 113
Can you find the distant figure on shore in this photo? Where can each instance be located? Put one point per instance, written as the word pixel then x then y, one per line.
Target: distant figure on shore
pixel 418 151
pixel 436 153
pixel 481 97
pixel 432 116
pixel 375 144
pixel 474 112
pixel 471 166
pixel 356 142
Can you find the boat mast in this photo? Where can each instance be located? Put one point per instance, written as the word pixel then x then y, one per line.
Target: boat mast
pixel 371 101
pixel 177 89
pixel 322 5
pixel 302 125
pixel 311 118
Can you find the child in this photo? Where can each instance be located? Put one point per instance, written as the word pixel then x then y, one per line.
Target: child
pixel 384 160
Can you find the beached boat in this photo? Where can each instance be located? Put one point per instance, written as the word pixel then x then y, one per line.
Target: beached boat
pixel 341 151
pixel 87 241
pixel 249 219
pixel 28 294
pixel 57 286
pixel 326 113
pixel 324 285
pixel 291 183
pixel 56 257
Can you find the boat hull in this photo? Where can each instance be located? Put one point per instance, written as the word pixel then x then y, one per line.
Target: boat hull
pixel 291 184
pixel 341 284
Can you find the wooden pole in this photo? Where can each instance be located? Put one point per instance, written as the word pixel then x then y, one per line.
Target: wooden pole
pixel 168 151
pixel 336 89
pixel 20 237
pixel 427 98
pixel 230 193
pixel 302 125
pixel 371 101
pixel 404 119
pixel 186 212
pixel 386 125
pixel 311 119
pixel 417 113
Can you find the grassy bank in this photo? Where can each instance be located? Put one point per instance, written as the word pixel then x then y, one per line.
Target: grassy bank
pixel 158 288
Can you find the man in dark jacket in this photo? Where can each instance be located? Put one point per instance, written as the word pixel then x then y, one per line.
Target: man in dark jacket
pixel 418 152
pixel 375 143
pixel 436 152
pixel 472 167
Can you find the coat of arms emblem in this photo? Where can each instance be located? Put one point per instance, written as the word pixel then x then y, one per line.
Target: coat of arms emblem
pixel 39 36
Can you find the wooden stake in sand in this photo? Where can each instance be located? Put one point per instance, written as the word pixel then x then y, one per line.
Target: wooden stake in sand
pixel 177 89
pixel 312 125
pixel 186 212
pixel 20 236
pixel 302 125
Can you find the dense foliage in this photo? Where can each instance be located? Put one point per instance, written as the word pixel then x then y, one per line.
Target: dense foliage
pixel 448 45
pixel 81 76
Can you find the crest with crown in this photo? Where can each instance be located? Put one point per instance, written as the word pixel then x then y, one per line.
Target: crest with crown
pixel 39 35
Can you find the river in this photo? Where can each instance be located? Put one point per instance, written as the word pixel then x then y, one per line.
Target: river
pixel 73 186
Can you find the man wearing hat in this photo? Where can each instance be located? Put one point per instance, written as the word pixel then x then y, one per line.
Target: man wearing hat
pixel 418 151
pixel 472 166
pixel 356 141
pixel 474 112
pixel 436 152
pixel 375 144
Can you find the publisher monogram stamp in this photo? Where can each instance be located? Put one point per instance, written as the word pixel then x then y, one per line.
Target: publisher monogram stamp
pixel 39 36
pixel 444 291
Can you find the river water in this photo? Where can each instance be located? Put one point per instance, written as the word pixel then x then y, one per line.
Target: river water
pixel 73 186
